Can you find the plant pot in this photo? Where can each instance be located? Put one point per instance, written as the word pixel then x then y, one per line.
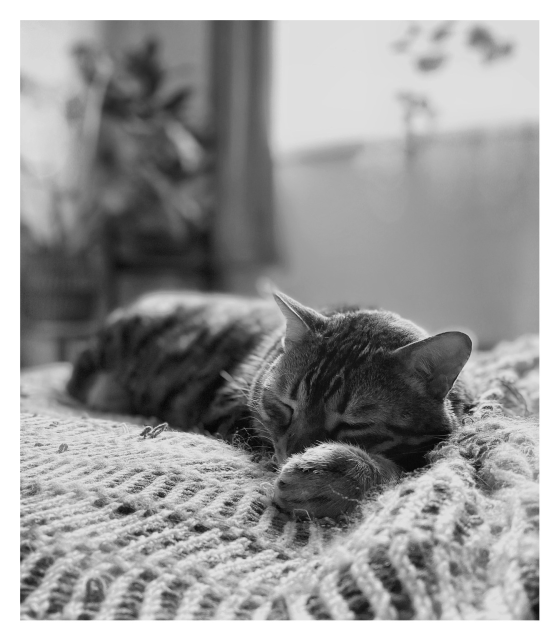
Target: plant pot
pixel 59 288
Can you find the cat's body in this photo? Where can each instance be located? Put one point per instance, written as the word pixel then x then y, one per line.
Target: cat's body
pixel 345 399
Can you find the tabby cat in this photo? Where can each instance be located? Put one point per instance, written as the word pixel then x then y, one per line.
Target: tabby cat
pixel 344 400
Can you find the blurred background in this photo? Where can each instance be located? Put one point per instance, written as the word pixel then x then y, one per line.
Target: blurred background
pixel 387 163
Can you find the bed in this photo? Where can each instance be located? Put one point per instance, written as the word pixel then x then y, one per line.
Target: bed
pixel 116 524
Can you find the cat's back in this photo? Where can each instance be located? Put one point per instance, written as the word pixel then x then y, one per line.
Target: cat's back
pixel 201 315
pixel 216 308
pixel 166 344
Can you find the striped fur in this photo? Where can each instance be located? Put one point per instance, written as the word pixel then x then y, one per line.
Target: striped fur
pixel 355 396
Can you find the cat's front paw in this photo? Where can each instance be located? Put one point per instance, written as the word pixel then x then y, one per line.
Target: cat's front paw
pixel 329 480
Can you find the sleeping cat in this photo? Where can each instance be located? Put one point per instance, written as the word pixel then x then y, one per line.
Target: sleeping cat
pixel 344 400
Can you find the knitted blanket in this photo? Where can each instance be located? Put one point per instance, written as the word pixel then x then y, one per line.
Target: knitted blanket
pixel 116 525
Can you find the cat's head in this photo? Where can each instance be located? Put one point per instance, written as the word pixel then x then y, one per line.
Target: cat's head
pixel 366 377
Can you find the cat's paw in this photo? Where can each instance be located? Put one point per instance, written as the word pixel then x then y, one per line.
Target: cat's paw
pixel 329 480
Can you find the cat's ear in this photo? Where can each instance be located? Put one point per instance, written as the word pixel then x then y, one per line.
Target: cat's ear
pixel 437 360
pixel 300 321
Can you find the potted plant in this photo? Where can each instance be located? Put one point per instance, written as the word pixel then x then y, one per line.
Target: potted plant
pixel 59 272
pixel 133 183
pixel 152 166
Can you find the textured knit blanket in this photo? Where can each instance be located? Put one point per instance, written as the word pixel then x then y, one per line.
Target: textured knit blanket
pixel 116 525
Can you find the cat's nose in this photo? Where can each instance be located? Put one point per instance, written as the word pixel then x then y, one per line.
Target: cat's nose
pixel 286 446
pixel 280 453
pixel 298 444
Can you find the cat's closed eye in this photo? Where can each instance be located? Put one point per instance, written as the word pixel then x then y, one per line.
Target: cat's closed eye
pixel 279 412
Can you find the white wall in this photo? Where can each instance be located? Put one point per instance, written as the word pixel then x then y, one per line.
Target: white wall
pixel 336 80
pixel 45 138
pixel 46 44
pixel 447 238
pixel 45 54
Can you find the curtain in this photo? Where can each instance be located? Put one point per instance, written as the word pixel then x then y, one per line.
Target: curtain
pixel 244 239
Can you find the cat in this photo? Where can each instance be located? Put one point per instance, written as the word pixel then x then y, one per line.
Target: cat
pixel 343 400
